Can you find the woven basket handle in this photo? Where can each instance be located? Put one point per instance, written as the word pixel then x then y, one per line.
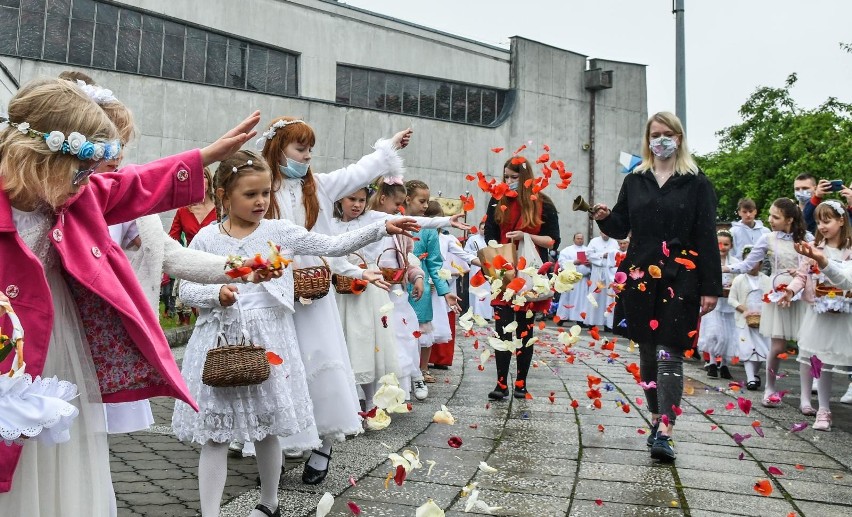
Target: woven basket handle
pixel 246 337
pixel 404 262
pixel 363 260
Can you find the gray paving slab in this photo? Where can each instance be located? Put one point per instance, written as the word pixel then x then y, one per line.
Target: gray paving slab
pixel 551 458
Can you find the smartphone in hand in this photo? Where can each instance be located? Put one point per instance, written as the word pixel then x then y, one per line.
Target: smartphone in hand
pixel 836 185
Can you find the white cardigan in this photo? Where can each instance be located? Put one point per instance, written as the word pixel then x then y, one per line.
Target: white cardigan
pixel 740 288
pixel 160 253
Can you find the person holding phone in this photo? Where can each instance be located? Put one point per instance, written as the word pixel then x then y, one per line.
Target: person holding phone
pixel 820 191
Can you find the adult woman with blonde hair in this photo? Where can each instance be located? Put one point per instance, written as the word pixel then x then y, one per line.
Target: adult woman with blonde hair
pixel 507 220
pixel 668 207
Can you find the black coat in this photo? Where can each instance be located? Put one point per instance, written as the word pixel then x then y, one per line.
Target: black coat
pixel 681 214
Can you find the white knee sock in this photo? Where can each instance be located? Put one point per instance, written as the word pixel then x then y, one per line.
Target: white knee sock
pixel 405 385
pixel 805 382
pixel 751 368
pixel 269 467
pixel 369 390
pixel 824 389
pixel 320 462
pixel 212 472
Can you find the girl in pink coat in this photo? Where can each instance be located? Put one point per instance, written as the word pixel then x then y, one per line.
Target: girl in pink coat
pixel 84 313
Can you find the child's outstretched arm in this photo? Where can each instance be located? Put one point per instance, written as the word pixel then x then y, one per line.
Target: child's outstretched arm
pixel 303 242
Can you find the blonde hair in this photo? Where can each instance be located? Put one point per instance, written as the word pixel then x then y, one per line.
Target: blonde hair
pixel 122 117
pixel 30 171
pixel 226 176
pixel 684 163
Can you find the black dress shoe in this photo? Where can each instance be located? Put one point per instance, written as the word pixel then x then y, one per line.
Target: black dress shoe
pixel 312 476
pixel 725 373
pixel 499 393
pixel 266 511
pixel 520 393
pixel 713 371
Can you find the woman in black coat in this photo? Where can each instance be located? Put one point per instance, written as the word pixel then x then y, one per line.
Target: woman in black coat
pixel 672 273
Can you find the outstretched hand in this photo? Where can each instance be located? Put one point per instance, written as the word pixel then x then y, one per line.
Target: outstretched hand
pixel 806 249
pixel 230 142
pixel 402 226
pixel 377 279
pixel 455 222
pixel 402 139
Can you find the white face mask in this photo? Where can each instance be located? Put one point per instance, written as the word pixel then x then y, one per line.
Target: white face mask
pixel 663 146
pixel 803 196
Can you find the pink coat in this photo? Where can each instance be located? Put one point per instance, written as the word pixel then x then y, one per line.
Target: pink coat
pixel 131 356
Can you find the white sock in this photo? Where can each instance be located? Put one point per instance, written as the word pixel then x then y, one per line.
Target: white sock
pixel 269 467
pixel 369 390
pixel 212 473
pixel 321 462
pixel 751 368
pixel 805 382
pixel 405 385
pixel 824 391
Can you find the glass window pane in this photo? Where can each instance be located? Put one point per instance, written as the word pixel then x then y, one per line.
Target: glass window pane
pixel 474 105
pixel 344 84
pixel 56 37
pixel 80 46
pixel 501 99
pixel 442 101
pixel 237 51
pixel 459 103
pixel 393 93
pixel 292 75
pixel 103 55
pixel 152 24
pixel 10 3
pixel 83 10
pixel 489 100
pixel 216 55
pixel 62 7
pixel 31 35
pixel 174 29
pixel 173 56
pixel 151 53
pixel 360 82
pixel 376 90
pixel 33 5
pixel 428 89
pixel 256 75
pixel 107 14
pixel 276 79
pixel 9 30
pixel 129 40
pixel 196 49
pixel 410 95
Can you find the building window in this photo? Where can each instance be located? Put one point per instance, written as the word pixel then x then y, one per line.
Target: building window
pixel 102 35
pixel 418 96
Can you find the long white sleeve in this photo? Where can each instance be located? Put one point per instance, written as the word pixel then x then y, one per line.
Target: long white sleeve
pixel 191 264
pixel 839 274
pixel 383 161
pixel 760 249
pixel 302 242
pixel 202 295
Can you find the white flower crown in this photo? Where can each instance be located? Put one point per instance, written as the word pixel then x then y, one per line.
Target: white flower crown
pixel 269 134
pixel 97 93
pixel 836 206
pixel 75 143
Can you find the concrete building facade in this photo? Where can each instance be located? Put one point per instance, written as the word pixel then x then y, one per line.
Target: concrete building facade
pixel 190 70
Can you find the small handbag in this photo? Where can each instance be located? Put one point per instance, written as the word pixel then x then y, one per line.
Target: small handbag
pixel 231 365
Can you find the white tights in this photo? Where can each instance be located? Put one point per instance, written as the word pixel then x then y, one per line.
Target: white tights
pixel 213 471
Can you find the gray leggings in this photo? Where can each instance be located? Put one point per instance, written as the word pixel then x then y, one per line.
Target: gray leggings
pixel 664 366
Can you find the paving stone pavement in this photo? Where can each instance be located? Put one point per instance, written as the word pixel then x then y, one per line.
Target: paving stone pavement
pixel 552 459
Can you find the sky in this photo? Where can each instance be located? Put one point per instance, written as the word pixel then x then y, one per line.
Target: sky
pixel 732 46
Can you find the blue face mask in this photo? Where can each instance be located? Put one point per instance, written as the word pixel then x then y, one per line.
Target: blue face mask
pixel 294 169
pixel 514 185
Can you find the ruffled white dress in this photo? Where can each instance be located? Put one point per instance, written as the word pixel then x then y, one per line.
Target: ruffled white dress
pixel 751 344
pixel 574 303
pixel 36 409
pixel 281 405
pixel 719 335
pixel 828 335
pixel 72 478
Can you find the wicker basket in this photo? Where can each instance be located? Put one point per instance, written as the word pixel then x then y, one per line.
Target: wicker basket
pixel 311 283
pixel 227 366
pixel 393 275
pixel 828 290
pixel 343 283
pixel 753 320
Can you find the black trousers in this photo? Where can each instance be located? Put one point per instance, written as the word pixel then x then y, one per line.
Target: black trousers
pixel 504 315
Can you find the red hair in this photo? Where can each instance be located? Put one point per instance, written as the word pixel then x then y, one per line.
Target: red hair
pixel 273 149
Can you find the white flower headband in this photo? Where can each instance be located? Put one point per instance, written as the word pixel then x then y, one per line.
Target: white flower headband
pixel 75 143
pixel 269 134
pixel 836 206
pixel 98 94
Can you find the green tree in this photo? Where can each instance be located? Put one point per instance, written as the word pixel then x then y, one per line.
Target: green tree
pixel 775 142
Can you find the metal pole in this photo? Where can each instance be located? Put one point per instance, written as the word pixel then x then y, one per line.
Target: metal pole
pixel 680 62
pixel 592 115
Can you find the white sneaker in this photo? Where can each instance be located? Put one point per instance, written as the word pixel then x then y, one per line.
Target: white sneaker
pixel 847 397
pixel 421 391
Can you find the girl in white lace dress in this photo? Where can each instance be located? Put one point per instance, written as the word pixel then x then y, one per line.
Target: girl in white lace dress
pixel 281 405
pixel 718 335
pixel 307 199
pixel 781 318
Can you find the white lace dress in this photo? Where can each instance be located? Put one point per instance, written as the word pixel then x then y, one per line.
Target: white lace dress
pixel 282 404
pixel 718 335
pixel 72 478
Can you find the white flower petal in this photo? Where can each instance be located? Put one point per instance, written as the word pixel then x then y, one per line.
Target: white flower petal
pixel 484 467
pixel 325 504
pixel 429 509
pixel 386 308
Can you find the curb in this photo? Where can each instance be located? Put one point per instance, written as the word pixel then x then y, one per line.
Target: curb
pixel 178 336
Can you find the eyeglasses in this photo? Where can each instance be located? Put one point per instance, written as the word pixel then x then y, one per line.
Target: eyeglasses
pixel 84 172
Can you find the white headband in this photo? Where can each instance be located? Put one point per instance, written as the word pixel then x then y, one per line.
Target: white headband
pixel 836 206
pixel 269 134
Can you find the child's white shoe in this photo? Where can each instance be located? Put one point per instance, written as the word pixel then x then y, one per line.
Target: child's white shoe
pixel 847 397
pixel 823 420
